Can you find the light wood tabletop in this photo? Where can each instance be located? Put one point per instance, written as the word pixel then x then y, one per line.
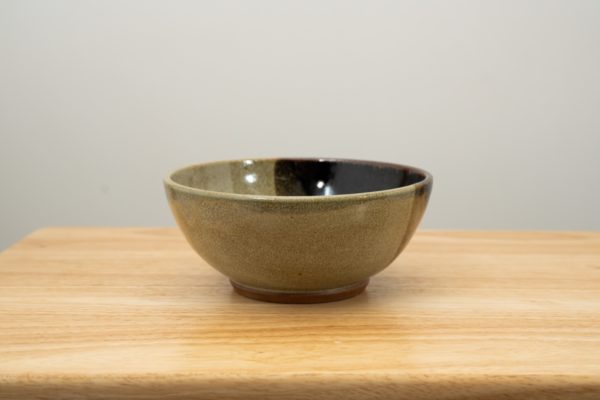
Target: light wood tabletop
pixel 134 313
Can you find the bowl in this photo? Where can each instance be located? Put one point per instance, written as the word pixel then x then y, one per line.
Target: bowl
pixel 298 230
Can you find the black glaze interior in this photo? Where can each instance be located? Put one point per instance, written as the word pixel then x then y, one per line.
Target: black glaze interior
pixel 331 177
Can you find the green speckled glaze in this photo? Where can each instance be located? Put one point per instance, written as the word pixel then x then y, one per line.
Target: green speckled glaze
pixel 298 226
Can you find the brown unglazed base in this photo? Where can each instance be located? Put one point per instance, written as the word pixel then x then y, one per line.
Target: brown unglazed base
pixel 316 296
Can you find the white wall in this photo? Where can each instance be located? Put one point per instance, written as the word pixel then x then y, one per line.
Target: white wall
pixel 500 100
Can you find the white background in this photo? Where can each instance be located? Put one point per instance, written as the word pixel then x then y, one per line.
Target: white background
pixel 500 100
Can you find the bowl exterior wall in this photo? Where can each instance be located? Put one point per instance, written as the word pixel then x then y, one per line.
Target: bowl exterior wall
pixel 299 245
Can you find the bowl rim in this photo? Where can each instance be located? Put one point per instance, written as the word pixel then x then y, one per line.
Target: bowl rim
pixel 427 181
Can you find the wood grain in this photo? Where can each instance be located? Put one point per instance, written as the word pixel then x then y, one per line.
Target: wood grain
pixel 133 313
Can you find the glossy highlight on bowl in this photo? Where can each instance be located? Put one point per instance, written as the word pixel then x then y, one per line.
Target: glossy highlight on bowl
pixel 298 230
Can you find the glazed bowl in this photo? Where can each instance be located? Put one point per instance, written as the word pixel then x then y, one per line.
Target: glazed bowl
pixel 298 230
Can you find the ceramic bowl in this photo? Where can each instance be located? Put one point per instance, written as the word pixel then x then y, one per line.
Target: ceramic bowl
pixel 298 230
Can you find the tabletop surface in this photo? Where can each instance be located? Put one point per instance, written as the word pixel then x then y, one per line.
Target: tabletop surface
pixel 134 313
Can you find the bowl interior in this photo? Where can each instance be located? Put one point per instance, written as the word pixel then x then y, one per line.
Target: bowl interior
pixel 297 177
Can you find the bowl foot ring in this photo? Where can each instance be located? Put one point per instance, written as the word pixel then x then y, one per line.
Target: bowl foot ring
pixel 308 297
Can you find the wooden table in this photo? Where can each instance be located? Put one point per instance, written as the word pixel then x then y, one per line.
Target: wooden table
pixel 135 314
